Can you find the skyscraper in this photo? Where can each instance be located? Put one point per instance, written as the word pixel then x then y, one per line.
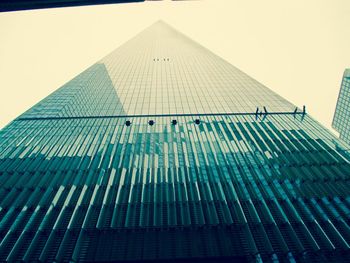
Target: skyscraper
pixel 163 151
pixel 341 119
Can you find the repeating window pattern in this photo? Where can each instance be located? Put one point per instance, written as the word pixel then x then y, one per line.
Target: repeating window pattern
pixel 100 171
pixel 341 120
pixel 91 93
pixel 160 71
pixel 274 189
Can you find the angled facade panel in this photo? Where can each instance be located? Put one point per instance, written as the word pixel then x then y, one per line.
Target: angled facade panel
pixel 341 119
pixel 162 151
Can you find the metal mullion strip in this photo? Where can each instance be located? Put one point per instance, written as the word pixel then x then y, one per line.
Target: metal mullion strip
pixel 55 141
pixel 133 166
pixel 144 180
pixel 120 178
pixel 199 148
pixel 76 131
pixel 114 142
pixel 88 181
pixel 238 162
pixel 131 204
pixel 247 163
pixel 236 200
pixel 156 178
pixel 242 134
pixel 258 129
pixel 230 143
pixel 317 146
pixel 9 179
pixel 210 138
pixel 122 142
pixel 223 181
pixel 207 186
pixel 105 143
pixel 95 144
pixel 277 122
pixel 341 207
pixel 183 176
pixel 18 244
pixel 93 135
pixel 306 146
pixel 120 172
pixel 231 195
pixel 191 150
pixel 340 154
pixel 258 169
pixel 92 200
pixel 326 224
pixel 67 144
pixel 190 172
pixel 53 234
pixel 190 157
pixel 263 200
pixel 280 136
pixel 216 139
pixel 61 152
pixel 284 140
pixel 203 144
pixel 239 210
pixel 10 134
pixel 182 152
pixel 58 145
pixel 198 184
pixel 20 147
pixel 36 138
pixel 256 143
pixel 92 148
pixel 47 138
pixel 291 123
pixel 320 132
pixel 324 135
pixel 295 140
pixel 281 147
pixel 18 134
pixel 183 145
pixel 308 151
pixel 262 158
pixel 77 207
pixel 96 147
pixel 85 133
pixel 18 203
pixel 64 207
pixel 145 193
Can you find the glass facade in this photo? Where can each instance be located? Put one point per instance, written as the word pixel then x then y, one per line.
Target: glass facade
pixel 341 119
pixel 163 151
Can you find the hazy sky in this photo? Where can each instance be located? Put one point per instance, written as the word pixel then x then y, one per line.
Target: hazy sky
pixel 297 48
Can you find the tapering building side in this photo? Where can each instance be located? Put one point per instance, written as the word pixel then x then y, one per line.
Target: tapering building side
pixel 341 119
pixel 162 151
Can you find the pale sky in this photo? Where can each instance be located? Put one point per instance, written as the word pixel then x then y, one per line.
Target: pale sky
pixel 297 48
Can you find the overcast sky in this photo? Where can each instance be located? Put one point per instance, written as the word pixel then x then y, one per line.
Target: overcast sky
pixel 297 48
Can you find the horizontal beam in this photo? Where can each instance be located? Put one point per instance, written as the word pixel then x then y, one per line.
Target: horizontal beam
pixel 162 115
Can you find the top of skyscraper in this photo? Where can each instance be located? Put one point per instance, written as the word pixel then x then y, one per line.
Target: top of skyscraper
pixel 159 71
